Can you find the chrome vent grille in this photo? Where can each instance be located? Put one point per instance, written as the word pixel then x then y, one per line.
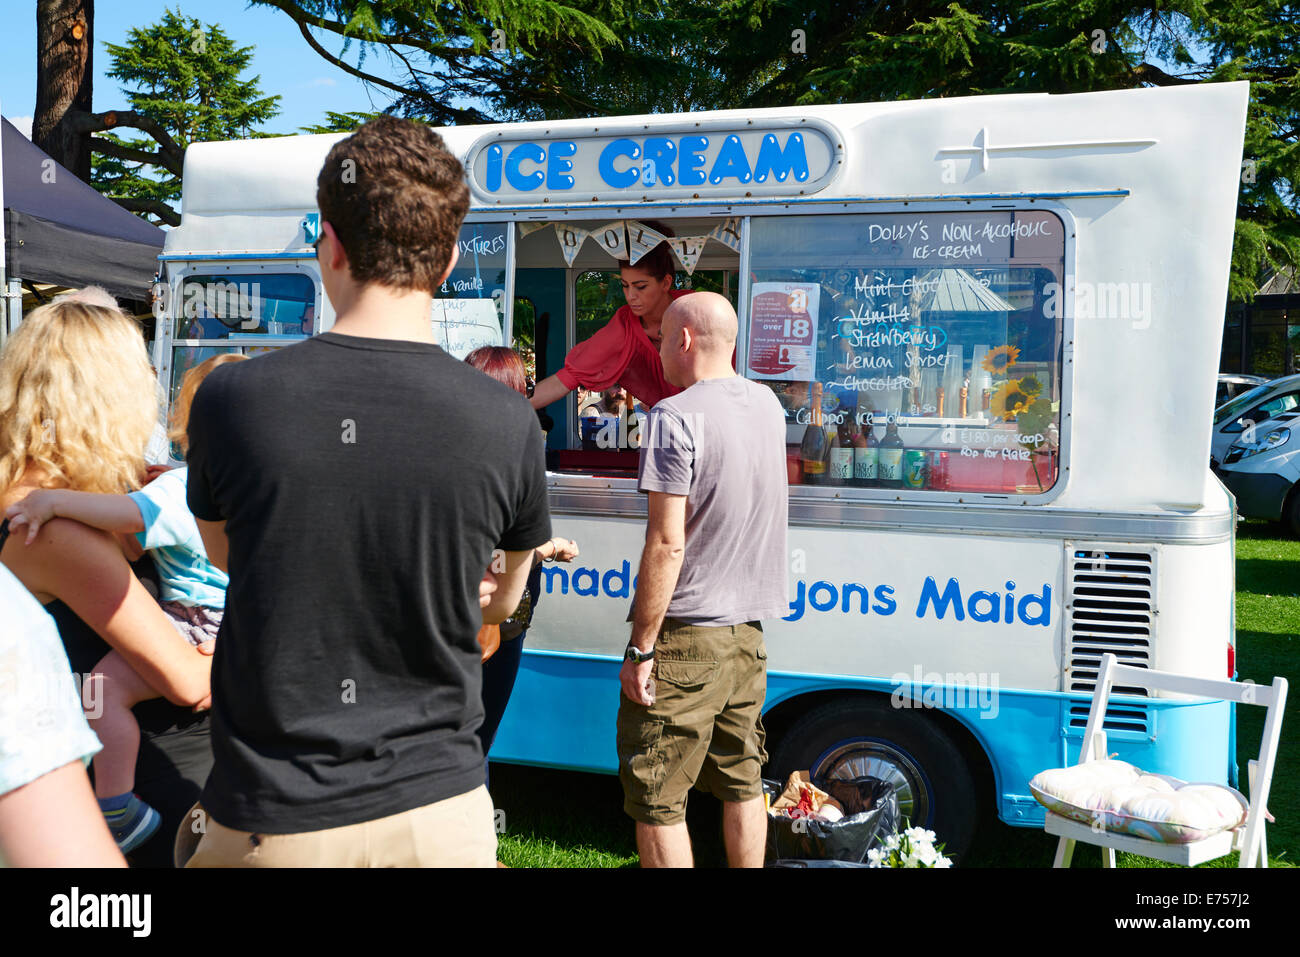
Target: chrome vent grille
pixel 1111 608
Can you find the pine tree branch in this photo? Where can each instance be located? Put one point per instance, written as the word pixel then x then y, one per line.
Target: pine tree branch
pixel 305 19
pixel 155 206
pixel 464 116
pixel 171 157
pixel 1150 73
pixel 118 151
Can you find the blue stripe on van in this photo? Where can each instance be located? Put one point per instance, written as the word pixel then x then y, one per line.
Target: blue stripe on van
pixel 563 708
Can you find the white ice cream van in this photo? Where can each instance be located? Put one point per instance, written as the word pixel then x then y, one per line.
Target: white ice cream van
pixel 1013 306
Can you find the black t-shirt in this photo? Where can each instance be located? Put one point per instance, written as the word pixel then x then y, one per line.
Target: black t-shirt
pixel 364 484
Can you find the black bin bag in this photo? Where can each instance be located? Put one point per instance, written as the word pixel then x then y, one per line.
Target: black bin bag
pixel 870 815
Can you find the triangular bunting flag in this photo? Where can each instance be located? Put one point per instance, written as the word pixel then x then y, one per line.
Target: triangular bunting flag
pixel 688 249
pixel 526 229
pixel 640 240
pixel 612 237
pixel 728 233
pixel 571 239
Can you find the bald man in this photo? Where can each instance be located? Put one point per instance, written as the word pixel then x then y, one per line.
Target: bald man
pixel 694 674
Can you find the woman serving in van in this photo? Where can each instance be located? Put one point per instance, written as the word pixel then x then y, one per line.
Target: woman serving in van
pixel 626 349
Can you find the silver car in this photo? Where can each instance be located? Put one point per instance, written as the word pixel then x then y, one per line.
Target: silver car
pixel 1262 469
pixel 1251 408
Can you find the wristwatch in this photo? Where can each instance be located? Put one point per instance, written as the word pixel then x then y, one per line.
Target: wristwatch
pixel 638 657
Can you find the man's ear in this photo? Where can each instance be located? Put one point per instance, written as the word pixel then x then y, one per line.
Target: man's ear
pixel 451 264
pixel 688 340
pixel 338 259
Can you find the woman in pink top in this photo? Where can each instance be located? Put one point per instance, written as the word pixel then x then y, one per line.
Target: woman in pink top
pixel 626 349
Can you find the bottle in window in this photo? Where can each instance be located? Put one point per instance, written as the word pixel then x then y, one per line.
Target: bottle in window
pixel 815 449
pixel 890 466
pixel 866 451
pixel 840 471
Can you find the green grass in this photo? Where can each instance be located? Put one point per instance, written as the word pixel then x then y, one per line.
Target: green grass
pixel 569 819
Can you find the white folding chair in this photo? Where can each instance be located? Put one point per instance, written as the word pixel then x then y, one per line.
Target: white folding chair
pixel 1248 838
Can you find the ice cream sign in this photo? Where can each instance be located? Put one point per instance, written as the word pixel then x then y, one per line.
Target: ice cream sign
pixel 693 161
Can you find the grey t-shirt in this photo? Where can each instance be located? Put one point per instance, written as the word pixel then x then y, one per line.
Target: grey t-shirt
pixel 721 443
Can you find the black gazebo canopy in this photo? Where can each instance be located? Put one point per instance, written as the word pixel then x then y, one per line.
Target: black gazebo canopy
pixel 59 229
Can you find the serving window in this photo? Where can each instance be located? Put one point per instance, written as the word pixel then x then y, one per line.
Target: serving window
pixel 568 270
pixel 916 351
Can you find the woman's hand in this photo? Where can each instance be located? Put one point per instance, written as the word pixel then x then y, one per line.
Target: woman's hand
pixel 556 550
pixel 566 550
pixel 486 589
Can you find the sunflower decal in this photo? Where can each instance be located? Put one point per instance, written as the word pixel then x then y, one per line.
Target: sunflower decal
pixel 1009 400
pixel 1031 385
pixel 998 360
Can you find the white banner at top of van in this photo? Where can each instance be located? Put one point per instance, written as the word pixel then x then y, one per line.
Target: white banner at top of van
pixel 706 159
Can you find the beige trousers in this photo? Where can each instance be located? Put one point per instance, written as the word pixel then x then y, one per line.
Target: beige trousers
pixel 457 832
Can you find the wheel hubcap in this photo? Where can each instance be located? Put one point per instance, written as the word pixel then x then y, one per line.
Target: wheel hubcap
pixel 875 759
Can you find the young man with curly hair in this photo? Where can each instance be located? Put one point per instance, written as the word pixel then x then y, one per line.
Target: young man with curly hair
pixel 346 484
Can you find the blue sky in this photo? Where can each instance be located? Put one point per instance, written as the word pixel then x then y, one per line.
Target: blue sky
pixel 306 84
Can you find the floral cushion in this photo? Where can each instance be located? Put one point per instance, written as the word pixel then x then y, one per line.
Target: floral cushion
pixel 1119 797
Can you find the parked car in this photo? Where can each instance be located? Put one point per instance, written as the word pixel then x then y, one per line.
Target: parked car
pixel 1232 384
pixel 1262 469
pixel 1255 406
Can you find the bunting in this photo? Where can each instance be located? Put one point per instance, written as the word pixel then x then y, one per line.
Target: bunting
pixel 687 250
pixel 571 239
pixel 612 238
pixel 526 229
pixel 640 240
pixel 727 233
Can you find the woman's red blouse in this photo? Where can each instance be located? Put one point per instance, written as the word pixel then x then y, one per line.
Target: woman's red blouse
pixel 620 352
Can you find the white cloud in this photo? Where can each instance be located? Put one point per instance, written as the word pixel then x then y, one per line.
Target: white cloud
pixel 322 81
pixel 23 124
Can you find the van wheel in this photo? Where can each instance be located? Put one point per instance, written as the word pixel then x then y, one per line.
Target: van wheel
pixel 1291 511
pixel 868 738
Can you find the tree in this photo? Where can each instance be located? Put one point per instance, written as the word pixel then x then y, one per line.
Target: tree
pixel 187 78
pixel 64 57
pixel 63 119
pixel 607 57
pixel 454 53
pixel 340 122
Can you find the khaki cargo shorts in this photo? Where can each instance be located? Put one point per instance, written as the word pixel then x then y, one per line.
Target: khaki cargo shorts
pixel 705 727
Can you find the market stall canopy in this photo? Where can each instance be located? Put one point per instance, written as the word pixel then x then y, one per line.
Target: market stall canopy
pixel 59 229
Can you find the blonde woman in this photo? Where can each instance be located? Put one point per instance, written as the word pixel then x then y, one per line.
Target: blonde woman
pixel 192 592
pixel 77 404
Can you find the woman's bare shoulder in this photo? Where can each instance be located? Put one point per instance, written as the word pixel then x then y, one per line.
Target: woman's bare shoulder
pixel 65 553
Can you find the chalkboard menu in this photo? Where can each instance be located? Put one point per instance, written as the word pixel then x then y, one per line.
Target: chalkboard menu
pixel 469 308
pixel 932 335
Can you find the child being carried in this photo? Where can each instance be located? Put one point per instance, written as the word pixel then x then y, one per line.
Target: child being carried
pixel 193 594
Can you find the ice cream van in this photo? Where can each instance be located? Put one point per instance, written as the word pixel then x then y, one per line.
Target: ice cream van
pixel 1011 308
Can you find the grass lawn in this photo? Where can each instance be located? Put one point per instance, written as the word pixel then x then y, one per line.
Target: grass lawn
pixel 569 819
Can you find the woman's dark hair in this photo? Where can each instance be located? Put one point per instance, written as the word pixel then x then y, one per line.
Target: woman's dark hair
pixel 658 262
pixel 501 363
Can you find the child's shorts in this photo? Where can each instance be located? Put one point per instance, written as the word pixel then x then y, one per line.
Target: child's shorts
pixel 195 623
